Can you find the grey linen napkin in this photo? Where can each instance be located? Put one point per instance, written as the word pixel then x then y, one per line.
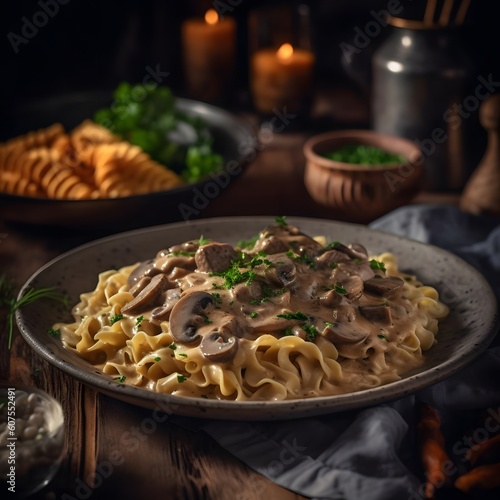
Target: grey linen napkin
pixel 372 453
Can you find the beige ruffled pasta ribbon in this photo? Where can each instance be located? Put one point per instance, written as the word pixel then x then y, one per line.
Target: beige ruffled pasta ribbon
pixel 87 163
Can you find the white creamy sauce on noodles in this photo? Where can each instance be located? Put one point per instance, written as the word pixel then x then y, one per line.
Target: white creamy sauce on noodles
pixel 289 317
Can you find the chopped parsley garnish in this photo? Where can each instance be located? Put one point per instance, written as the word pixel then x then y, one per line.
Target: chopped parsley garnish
pixel 138 321
pixel 181 378
pixel 267 293
pixel 377 265
pixel 332 245
pixel 241 270
pixel 182 354
pixel 258 259
pixel 382 337
pixel 298 315
pixel 182 253
pixel 202 241
pixel 253 314
pixel 207 320
pixel 311 331
pixel 231 302
pixel 248 244
pixel 287 331
pixel 281 220
pixel 334 265
pixel 55 333
pixel 339 289
pixel 157 359
pixel 217 297
pixel 362 154
pixel 172 346
pixel 333 325
pixel 120 379
pixel 305 258
pixel 115 318
pixel 233 275
pixel 357 260
pixel 408 278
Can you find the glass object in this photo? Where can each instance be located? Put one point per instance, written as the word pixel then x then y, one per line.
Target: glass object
pixel 31 439
pixel 421 75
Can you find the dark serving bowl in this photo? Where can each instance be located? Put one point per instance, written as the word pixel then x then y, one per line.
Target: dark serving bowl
pixel 232 139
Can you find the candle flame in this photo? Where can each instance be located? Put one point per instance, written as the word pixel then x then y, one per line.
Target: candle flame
pixel 285 51
pixel 211 17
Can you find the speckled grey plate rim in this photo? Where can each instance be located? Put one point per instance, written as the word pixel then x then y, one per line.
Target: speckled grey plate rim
pixel 476 318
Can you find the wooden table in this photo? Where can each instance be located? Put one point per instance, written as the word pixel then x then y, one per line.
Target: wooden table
pixel 108 453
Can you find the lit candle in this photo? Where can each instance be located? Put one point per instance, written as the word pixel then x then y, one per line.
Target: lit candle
pixel 209 47
pixel 281 78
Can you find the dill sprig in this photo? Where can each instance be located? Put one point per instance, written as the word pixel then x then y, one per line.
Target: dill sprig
pixel 8 301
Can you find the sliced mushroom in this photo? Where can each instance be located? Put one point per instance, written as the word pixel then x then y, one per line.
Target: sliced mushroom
pixel 188 314
pixel 162 312
pixel 354 251
pixel 268 321
pixel 345 313
pixel 146 268
pixel 215 257
pixel 219 347
pixel 149 297
pixel 360 250
pixel 361 268
pixel 354 287
pixel 330 299
pixel 282 272
pixel 170 263
pixel 292 237
pixel 377 314
pixel 244 293
pixel 383 286
pixel 140 285
pixel 342 334
pixel 187 247
pixel 298 331
pixel 331 257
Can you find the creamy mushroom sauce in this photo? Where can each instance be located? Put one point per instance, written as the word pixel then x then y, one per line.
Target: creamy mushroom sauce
pixel 221 299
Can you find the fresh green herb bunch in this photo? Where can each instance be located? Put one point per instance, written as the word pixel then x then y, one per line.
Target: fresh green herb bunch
pixel 8 301
pixel 362 154
pixel 148 118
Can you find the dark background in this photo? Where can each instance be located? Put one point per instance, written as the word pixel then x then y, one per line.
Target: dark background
pixel 92 44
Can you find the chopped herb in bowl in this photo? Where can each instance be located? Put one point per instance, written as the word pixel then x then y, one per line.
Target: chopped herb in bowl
pixel 362 154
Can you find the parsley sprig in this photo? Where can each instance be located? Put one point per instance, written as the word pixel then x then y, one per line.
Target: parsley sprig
pixel 281 220
pixel 298 315
pixel 377 265
pixel 304 257
pixel 242 269
pixel 311 331
pixel 8 301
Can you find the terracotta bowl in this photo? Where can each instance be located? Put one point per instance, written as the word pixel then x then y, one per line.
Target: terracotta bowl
pixel 361 193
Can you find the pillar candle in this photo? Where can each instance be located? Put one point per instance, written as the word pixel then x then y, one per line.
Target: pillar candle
pixel 280 78
pixel 209 49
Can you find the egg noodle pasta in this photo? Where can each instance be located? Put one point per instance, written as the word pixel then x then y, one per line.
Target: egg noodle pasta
pixel 88 162
pixel 288 316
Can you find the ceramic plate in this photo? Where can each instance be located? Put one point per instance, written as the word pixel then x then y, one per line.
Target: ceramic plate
pixel 464 334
